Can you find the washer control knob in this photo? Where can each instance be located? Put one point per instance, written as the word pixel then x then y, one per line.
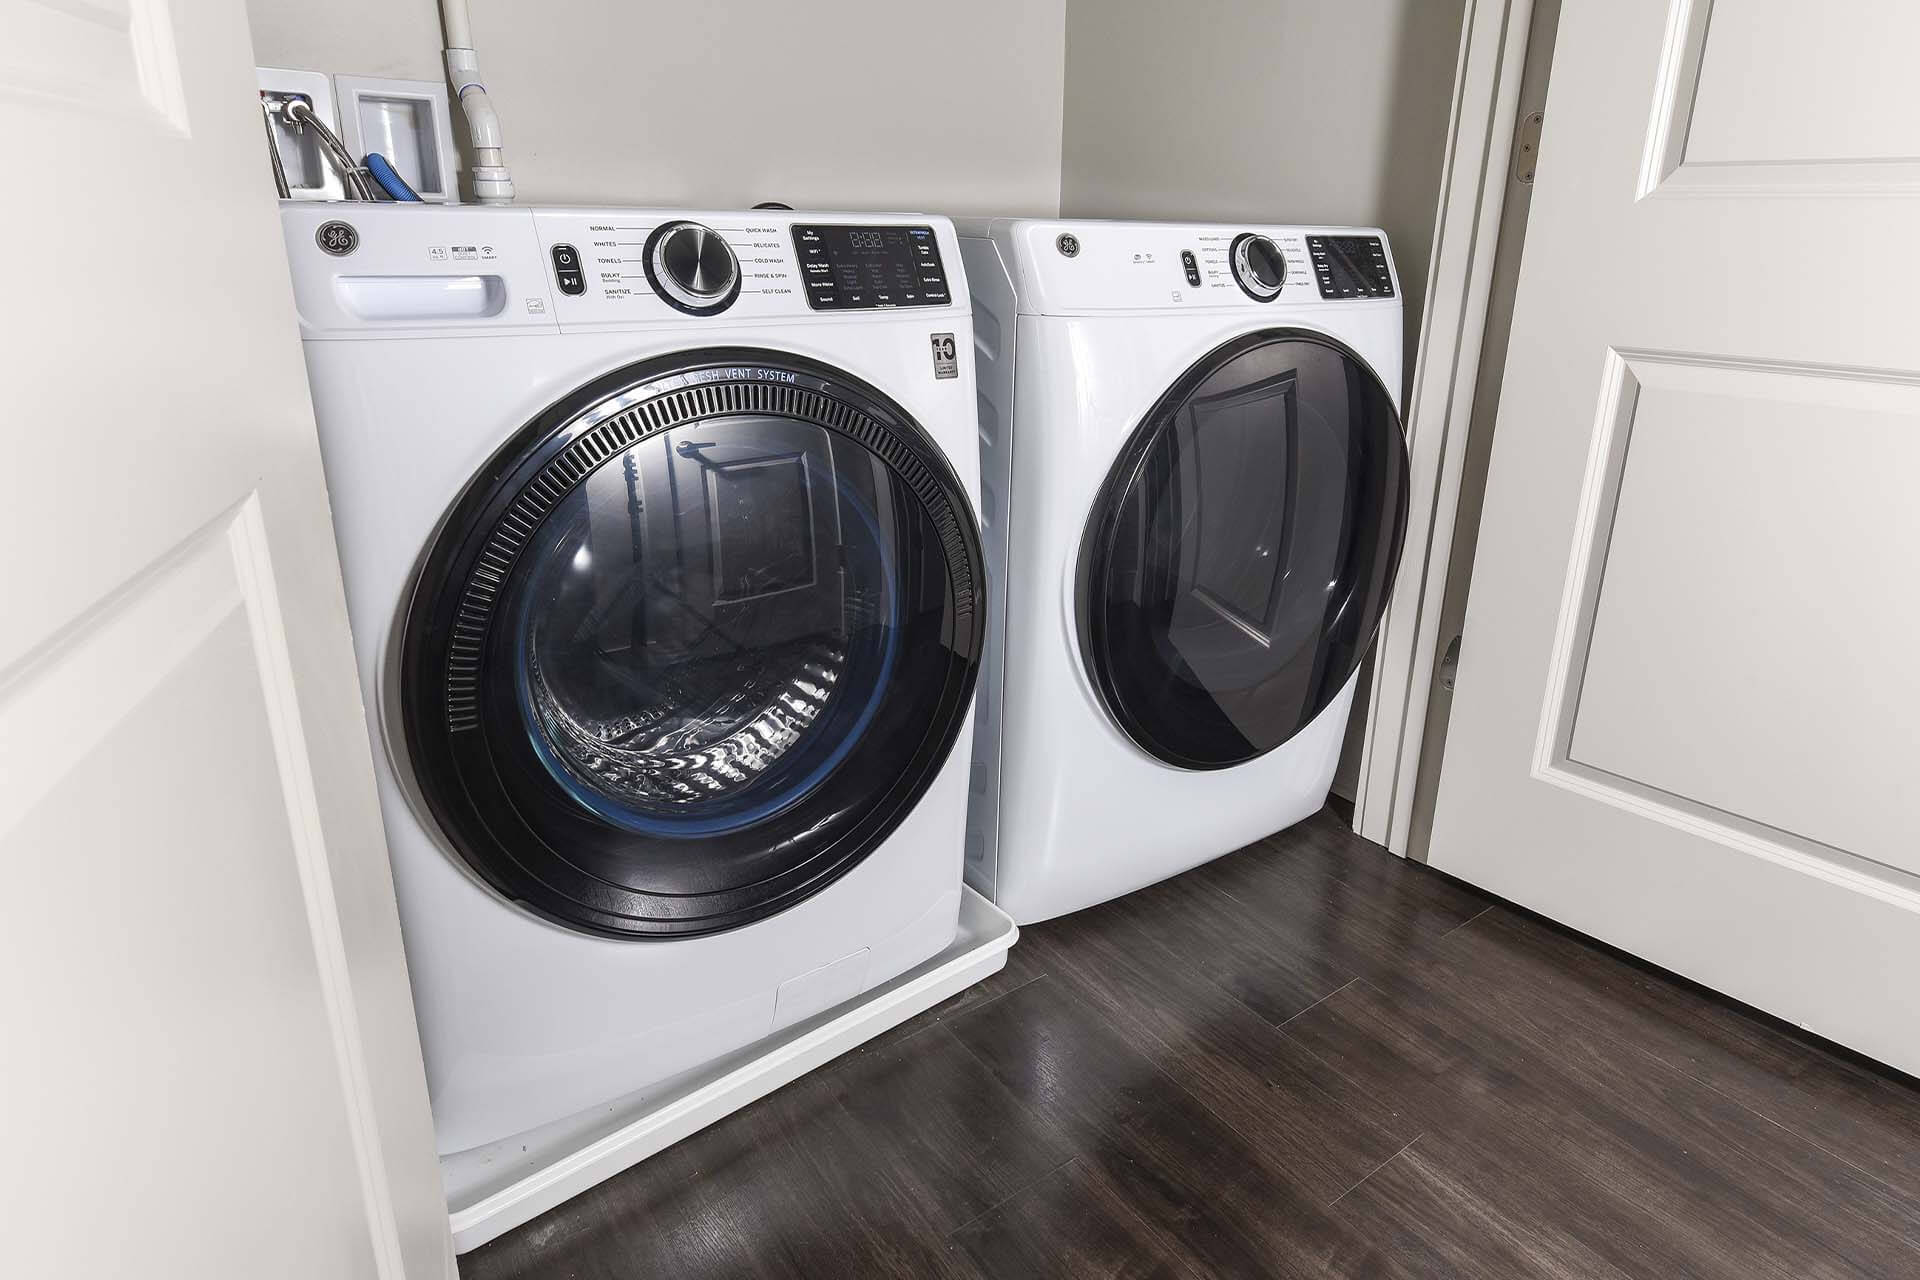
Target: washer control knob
pixel 1258 266
pixel 692 267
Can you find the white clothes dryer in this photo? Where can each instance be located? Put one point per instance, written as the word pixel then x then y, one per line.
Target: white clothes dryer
pixel 1195 483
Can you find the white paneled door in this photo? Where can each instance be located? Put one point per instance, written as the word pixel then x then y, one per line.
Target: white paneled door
pixel 209 1066
pixel 1688 712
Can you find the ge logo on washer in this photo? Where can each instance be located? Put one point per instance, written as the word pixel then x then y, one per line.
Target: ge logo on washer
pixel 337 238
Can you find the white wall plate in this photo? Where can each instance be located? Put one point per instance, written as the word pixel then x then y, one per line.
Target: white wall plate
pixel 309 176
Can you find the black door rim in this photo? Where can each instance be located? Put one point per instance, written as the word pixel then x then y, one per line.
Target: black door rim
pixel 1125 472
pixel 452 633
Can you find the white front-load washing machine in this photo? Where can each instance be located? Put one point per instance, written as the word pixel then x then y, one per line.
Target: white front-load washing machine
pixel 1195 485
pixel 665 579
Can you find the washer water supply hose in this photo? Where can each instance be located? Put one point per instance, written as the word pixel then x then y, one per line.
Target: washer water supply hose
pixel 273 150
pixel 299 114
pixel 492 184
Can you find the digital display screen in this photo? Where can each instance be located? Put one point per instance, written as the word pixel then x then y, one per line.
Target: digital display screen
pixel 1350 266
pixel 852 268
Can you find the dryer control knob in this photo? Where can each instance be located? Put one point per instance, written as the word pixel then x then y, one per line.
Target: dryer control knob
pixel 1258 266
pixel 692 267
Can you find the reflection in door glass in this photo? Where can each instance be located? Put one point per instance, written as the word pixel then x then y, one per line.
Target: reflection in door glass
pixel 708 623
pixel 1240 556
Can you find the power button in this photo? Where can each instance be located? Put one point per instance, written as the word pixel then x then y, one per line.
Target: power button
pixel 566 270
pixel 1192 265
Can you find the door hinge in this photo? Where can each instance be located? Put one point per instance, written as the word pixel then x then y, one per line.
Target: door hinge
pixel 1450 664
pixel 1526 146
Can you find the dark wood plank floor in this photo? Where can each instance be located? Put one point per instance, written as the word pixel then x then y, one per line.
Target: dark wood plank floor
pixel 1307 1059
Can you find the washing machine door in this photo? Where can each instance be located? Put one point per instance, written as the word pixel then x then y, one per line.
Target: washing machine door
pixel 692 644
pixel 1238 558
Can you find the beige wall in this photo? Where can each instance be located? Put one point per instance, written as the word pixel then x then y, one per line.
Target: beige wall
pixel 1302 110
pixel 1328 111
pixel 860 104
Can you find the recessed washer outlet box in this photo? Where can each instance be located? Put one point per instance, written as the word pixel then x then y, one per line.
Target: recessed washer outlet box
pixel 406 121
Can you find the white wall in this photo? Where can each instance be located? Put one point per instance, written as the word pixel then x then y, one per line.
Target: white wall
pixel 862 104
pixel 1328 111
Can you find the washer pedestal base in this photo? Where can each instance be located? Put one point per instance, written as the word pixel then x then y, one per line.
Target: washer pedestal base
pixel 492 1189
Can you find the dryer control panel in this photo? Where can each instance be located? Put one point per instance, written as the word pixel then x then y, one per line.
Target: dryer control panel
pixel 1094 267
pixel 1351 266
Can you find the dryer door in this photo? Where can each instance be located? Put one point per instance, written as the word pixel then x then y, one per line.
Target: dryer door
pixel 692 644
pixel 1239 556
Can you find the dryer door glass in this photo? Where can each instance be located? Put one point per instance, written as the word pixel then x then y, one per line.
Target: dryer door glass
pixel 698 651
pixel 1236 564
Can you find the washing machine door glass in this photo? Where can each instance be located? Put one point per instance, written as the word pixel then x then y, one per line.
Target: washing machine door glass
pixel 1236 563
pixel 693 645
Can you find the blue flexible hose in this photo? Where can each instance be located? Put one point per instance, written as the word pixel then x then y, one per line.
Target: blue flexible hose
pixel 389 179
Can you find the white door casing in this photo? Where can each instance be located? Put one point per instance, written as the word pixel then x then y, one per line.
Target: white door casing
pixel 1479 223
pixel 212 1068
pixel 1685 716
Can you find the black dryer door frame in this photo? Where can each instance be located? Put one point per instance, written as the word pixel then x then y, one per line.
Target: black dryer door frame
pixel 1238 558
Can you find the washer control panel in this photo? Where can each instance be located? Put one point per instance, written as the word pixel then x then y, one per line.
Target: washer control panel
pixel 1259 268
pixel 642 265
pixel 849 268
pixel 692 267
pixel 485 269
pixel 1350 266
pixel 566 270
